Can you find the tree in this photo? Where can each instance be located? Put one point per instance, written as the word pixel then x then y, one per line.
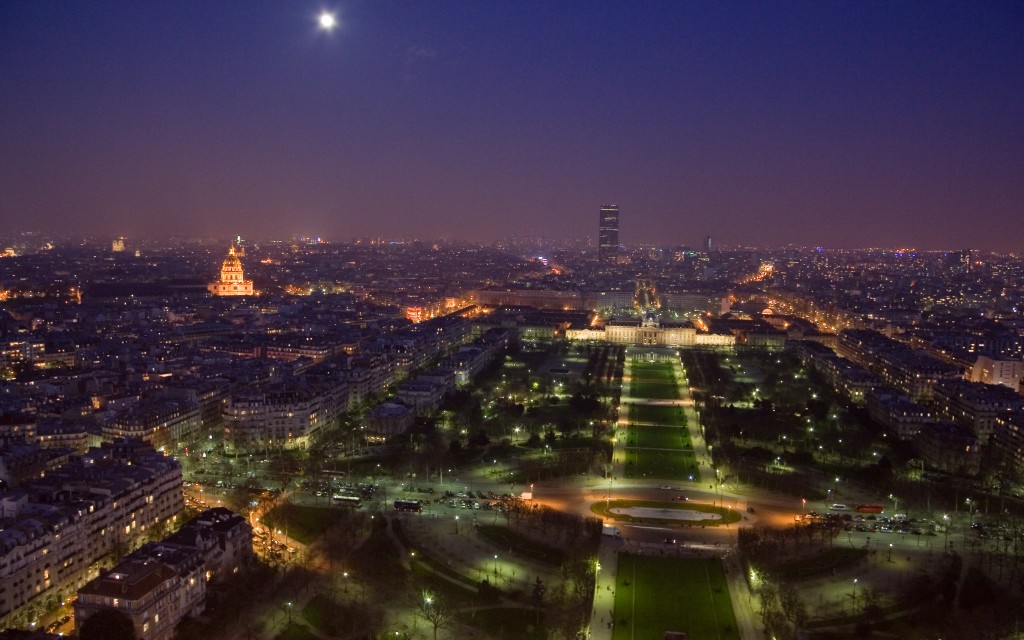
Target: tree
pixel 871 602
pixel 107 624
pixel 435 611
pixel 479 439
pixel 793 608
pixel 538 595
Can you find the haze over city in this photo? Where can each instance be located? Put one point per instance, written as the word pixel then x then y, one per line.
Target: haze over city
pixel 839 124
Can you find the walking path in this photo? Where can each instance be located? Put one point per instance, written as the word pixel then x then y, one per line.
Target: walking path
pixel 604 590
pixel 700 446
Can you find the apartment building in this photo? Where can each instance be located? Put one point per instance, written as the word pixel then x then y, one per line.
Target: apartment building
pixel 58 528
pixel 283 414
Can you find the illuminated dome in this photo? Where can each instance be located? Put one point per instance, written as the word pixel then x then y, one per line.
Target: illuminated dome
pixel 232 280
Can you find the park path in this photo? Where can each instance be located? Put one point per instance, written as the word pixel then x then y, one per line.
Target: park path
pixel 604 590
pixel 747 620
pixel 700 446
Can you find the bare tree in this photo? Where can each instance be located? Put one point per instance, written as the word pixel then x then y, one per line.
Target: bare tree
pixel 435 611
pixel 793 608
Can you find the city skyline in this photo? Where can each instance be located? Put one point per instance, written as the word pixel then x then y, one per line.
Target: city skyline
pixel 840 126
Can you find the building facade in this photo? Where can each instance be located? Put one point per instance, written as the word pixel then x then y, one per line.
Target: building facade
pixel 162 423
pixel 282 415
pixel 59 527
pixel 162 582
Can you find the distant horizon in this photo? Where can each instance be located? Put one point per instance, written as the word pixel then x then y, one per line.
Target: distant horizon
pixel 102 240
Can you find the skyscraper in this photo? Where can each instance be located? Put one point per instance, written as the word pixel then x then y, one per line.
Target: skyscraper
pixel 608 232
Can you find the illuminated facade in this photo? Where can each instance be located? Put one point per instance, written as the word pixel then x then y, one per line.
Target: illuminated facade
pixel 108 498
pixel 650 331
pixel 283 415
pixel 232 281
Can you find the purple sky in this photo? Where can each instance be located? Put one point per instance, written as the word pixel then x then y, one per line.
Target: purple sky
pixel 823 123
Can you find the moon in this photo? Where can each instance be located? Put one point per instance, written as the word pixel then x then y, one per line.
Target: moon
pixel 327 21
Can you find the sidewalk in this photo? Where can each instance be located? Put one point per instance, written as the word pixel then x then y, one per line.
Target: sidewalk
pixel 604 590
pixel 743 607
pixel 700 446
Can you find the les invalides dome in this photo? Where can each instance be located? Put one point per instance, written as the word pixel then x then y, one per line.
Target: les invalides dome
pixel 232 281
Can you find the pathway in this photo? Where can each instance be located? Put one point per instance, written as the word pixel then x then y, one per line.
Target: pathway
pixel 604 590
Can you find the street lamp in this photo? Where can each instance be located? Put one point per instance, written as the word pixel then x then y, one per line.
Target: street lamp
pixel 495 564
pixel 890 552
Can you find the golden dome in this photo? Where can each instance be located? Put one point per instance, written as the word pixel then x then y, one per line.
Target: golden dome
pixel 232 280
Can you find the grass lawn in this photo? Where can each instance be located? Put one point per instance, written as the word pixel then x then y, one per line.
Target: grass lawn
pixel 827 563
pixel 333 618
pixel 668 465
pixel 659 437
pixel 506 622
pixel 318 612
pixel 653 380
pixel 379 557
pixel 653 390
pixel 655 595
pixel 654 414
pixel 521 545
pixel 461 594
pixel 661 371
pixel 296 632
pixel 727 516
pixel 426 569
pixel 304 524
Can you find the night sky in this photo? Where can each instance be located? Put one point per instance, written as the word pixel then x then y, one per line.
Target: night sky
pixel 762 123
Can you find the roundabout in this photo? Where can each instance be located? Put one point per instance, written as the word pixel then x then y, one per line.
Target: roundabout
pixel 648 513
pixel 657 512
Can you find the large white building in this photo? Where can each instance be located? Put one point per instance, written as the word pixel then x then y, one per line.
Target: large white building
pixel 283 415
pixel 1009 373
pixel 162 423
pixel 651 332
pixel 154 595
pixel 161 583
